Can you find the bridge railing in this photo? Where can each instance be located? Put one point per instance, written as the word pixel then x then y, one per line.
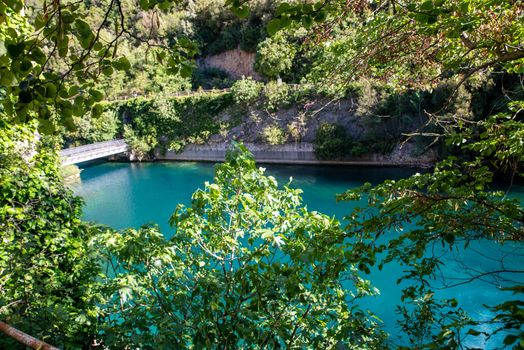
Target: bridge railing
pixel 69 152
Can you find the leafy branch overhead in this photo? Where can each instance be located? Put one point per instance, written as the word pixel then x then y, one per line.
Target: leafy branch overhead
pixel 57 32
pixel 411 43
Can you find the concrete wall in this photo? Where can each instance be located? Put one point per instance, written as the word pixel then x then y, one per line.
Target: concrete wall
pixel 216 152
pixel 301 153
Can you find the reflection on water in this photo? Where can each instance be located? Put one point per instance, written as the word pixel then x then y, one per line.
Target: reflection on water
pixel 130 195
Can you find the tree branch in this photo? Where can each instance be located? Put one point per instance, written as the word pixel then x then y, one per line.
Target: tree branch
pixel 25 339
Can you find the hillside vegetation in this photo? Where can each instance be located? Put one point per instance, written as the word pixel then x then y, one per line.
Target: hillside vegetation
pixel 368 119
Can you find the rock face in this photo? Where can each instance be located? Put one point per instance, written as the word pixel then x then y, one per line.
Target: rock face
pixel 296 125
pixel 305 120
pixel 236 63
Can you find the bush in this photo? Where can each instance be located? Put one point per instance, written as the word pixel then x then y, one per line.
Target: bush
pixel 105 127
pixel 146 77
pixel 274 135
pixel 246 90
pixel 49 272
pixel 251 34
pixel 276 95
pixel 274 56
pixel 175 121
pixel 245 218
pixel 89 129
pixel 297 128
pixel 331 142
pixel 358 149
pixel 140 146
pixel 227 40
pixel 368 100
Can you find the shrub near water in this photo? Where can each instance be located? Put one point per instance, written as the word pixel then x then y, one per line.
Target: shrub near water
pixel 47 269
pixel 331 142
pixel 276 95
pixel 274 135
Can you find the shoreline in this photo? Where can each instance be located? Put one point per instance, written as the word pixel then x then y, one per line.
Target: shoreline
pixel 340 163
pixel 287 154
pixel 293 154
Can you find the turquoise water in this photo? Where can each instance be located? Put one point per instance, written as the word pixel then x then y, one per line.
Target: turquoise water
pixel 132 194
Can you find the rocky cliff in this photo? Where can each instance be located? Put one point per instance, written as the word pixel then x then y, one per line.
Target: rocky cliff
pixel 236 63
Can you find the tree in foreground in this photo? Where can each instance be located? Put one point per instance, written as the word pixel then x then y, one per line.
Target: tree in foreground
pixel 248 266
pixel 47 269
pixel 418 44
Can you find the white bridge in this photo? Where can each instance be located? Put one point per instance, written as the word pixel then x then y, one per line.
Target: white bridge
pixel 92 151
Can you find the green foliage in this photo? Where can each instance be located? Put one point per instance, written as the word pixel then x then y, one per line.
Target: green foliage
pixel 297 128
pixel 215 29
pixel 388 114
pixel 246 91
pixel 218 30
pixel 449 206
pixel 146 77
pixel 251 34
pixel 50 62
pixel 305 13
pixel 173 122
pixel 422 314
pixel 140 146
pixel 102 128
pixel 248 267
pixel 274 56
pixel 216 282
pixel 409 45
pixel 500 140
pixel 509 316
pixel 330 142
pixel 274 135
pixel 228 40
pixel 276 95
pixel 48 286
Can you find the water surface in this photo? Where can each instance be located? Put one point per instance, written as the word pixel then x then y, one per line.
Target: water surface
pixel 132 194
